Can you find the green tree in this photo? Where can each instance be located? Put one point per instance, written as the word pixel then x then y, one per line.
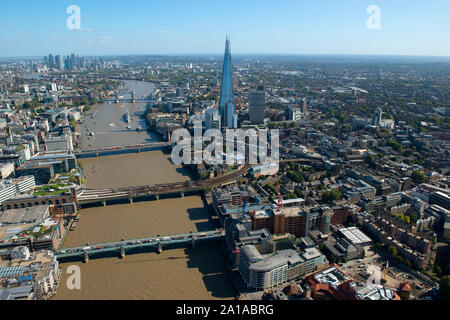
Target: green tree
pixel 295 176
pixel 33 104
pixel 330 196
pixel 392 251
pixel 395 145
pixel 418 176
pixel 291 165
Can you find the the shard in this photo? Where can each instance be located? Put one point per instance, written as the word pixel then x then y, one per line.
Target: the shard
pixel 226 93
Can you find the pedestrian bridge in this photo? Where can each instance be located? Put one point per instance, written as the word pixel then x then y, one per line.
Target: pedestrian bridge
pixel 122 246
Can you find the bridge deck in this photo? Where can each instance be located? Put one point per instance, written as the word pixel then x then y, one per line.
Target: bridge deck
pixel 92 195
pixel 139 243
pixel 122 148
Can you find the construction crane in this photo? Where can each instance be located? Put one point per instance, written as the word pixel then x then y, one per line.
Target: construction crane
pixel 280 200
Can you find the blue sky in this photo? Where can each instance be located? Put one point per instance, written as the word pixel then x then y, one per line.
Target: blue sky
pixel 413 27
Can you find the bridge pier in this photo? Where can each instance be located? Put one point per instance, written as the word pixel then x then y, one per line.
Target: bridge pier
pixel 131 200
pixel 160 250
pixel 97 155
pixel 122 252
pixel 104 203
pixel 139 151
pixel 85 257
pixel 182 194
pixel 157 196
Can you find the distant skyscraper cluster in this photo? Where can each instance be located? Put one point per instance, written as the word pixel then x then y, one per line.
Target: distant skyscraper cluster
pixel 72 62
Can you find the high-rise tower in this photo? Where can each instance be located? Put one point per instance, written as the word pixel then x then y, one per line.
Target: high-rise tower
pixel 227 92
pixel 256 106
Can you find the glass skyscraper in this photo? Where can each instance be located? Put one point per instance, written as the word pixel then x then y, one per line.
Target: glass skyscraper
pixel 226 93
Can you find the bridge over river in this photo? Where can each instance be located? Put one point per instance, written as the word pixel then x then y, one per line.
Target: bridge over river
pixel 90 196
pixel 124 245
pixel 121 149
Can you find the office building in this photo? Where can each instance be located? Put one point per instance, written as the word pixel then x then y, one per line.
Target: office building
pixel 58 143
pixel 44 165
pixel 270 270
pixel 73 61
pixel 226 103
pixel 212 119
pixel 24 184
pixel 291 220
pixel 294 114
pixel 51 61
pixel 256 106
pixel 440 198
pixel 305 107
pixel 376 120
pixel 355 236
pixel 231 118
pixel 59 62
pixel 6 169
pixel 7 191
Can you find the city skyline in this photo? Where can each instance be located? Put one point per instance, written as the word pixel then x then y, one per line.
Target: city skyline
pixel 291 27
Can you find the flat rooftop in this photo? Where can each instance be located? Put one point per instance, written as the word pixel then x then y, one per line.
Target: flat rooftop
pixel 24 215
pixel 355 236
pixel 332 276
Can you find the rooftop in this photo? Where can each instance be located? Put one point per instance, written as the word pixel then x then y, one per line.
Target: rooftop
pixel 332 276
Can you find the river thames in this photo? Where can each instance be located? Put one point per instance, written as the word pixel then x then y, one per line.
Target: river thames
pixel 176 274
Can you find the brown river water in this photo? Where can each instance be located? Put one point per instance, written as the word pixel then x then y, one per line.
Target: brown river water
pixel 175 274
